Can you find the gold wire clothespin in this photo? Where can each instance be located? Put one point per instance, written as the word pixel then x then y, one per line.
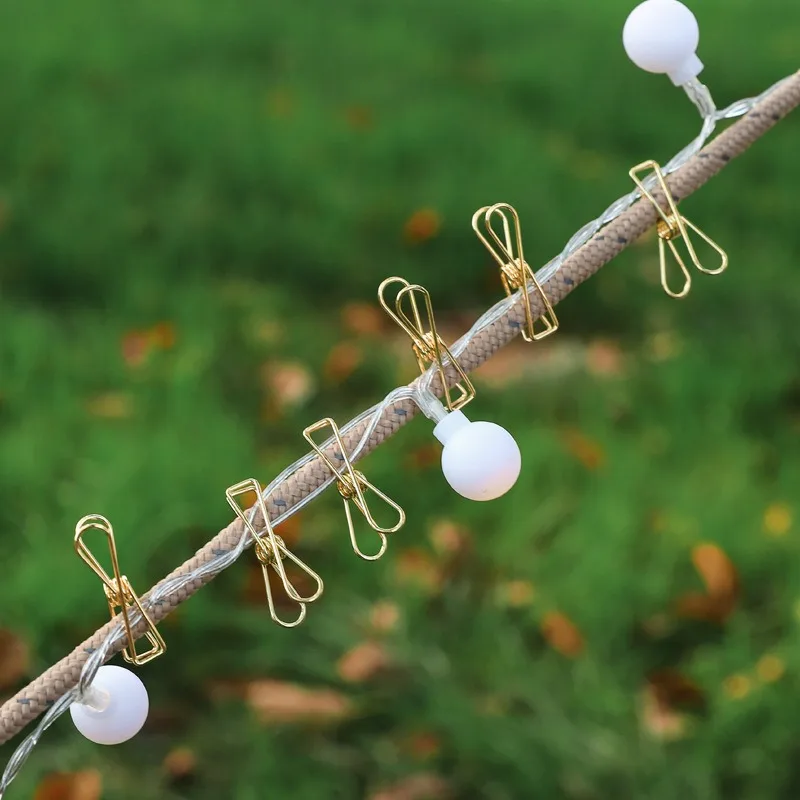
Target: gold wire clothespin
pixel 352 485
pixel 428 346
pixel 514 270
pixel 271 551
pixel 118 590
pixel 673 226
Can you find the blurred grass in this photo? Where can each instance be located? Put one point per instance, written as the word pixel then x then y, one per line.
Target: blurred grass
pixel 238 172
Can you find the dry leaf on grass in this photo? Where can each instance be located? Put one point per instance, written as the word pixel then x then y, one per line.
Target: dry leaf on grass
pixel 180 763
pixel 722 586
pixel 290 384
pixel 362 662
pixel 562 634
pixel 384 616
pixel 422 225
pixel 423 745
pixel 423 786
pixel 14 659
pixel 364 319
pixel 342 361
pixel 276 702
pixel 448 537
pixel 515 594
pixel 85 785
pixel 416 567
pixel 604 358
pixel 586 450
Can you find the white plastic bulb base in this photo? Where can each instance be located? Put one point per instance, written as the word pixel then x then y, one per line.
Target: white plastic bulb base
pixel 114 709
pixel 662 36
pixel 480 460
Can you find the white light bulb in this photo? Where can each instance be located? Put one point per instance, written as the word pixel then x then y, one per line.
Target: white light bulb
pixel 662 36
pixel 480 460
pixel 114 709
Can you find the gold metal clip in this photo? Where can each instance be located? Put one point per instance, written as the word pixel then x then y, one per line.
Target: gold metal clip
pixel 118 590
pixel 271 551
pixel 352 485
pixel 671 226
pixel 428 346
pixel 514 270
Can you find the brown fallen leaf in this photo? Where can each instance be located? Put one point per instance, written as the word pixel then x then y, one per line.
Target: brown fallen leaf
pixel 277 702
pixel 661 721
pixel 384 616
pixel 562 634
pixel 424 456
pixel 423 745
pixel 416 567
pixel 135 348
pixel 604 358
pixel 162 335
pixel 290 384
pixel 721 583
pixel 586 450
pixel 342 361
pixel 448 537
pixel 280 103
pixel 515 594
pixel 364 319
pixel 363 662
pixel 421 226
pixel 423 786
pixel 84 785
pixel 14 659
pixel 180 763
pixel 359 118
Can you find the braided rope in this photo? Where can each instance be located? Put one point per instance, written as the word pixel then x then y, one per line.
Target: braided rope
pixel 52 686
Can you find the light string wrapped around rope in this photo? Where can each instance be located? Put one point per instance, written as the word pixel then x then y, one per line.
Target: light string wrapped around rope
pixel 183 582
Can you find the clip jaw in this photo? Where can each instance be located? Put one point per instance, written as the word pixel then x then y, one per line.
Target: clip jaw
pixel 118 590
pixel 352 485
pixel 672 225
pixel 271 551
pixel 514 270
pixel 428 346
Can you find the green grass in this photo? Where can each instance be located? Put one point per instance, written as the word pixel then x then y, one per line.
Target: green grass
pixel 243 170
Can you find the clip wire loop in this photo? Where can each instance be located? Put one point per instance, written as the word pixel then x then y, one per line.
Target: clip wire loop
pixel 671 226
pixel 428 346
pixel 271 551
pixel 119 593
pixel 514 270
pixel 352 485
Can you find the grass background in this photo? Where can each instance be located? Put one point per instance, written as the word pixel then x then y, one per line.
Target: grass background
pixel 192 198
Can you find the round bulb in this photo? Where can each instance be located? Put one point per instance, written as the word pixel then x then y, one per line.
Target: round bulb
pixel 662 36
pixel 121 707
pixel 480 460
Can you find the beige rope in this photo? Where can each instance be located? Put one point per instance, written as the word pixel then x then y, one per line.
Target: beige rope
pixel 611 240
